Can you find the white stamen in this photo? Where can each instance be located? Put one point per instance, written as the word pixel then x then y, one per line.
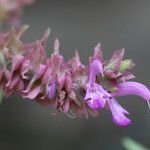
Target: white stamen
pixel 148 103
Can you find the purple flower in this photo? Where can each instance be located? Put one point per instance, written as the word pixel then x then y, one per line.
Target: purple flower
pixel 51 90
pixel 96 68
pixel 96 97
pixel 34 86
pixel 15 81
pixel 118 112
pixel 126 88
pixel 132 88
pixel 66 94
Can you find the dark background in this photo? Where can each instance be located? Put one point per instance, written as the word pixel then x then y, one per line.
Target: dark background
pixel 81 24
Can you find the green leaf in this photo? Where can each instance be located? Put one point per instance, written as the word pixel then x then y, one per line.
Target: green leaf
pixel 126 64
pixel 130 144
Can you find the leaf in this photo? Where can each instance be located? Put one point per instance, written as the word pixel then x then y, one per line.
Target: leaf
pixel 126 64
pixel 130 144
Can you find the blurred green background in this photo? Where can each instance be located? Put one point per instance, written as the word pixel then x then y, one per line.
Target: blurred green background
pixel 81 24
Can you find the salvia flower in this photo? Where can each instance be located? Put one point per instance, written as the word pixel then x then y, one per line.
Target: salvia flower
pixel 97 96
pixel 69 86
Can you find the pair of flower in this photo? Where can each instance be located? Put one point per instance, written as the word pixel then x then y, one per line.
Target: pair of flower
pixel 98 97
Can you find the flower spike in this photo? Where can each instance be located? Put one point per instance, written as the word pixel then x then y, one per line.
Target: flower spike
pixel 69 86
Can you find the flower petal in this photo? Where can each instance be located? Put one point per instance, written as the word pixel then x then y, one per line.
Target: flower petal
pixel 45 37
pixel 33 93
pixel 25 68
pixel 98 54
pixel 96 67
pixel 75 61
pixel 132 88
pixel 47 75
pixel 118 113
pixel 57 61
pixel 17 61
pixel 51 90
pixel 40 71
pixel 95 96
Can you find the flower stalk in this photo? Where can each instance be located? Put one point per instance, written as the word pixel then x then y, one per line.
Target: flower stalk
pixel 69 86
